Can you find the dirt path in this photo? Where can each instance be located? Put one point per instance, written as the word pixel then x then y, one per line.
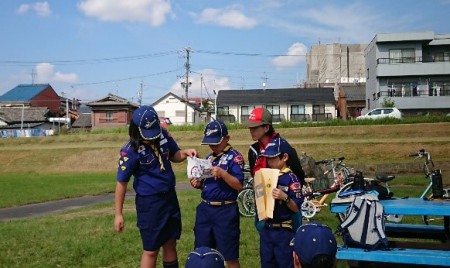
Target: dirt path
pixel 39 209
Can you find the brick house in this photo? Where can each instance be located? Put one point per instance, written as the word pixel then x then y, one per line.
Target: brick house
pixel 111 111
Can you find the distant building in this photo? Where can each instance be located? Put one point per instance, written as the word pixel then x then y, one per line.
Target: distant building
pixel 330 64
pixel 411 69
pixel 33 95
pixel 110 111
pixel 174 107
pixel 285 104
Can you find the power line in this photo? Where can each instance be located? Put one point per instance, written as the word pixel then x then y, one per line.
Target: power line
pixel 89 61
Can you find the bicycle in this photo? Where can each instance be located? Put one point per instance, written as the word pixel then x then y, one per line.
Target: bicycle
pixel 340 172
pixel 246 198
pixel 434 178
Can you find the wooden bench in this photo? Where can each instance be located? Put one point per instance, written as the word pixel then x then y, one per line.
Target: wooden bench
pixel 396 255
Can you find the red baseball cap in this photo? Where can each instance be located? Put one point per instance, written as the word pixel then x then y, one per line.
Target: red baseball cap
pixel 258 117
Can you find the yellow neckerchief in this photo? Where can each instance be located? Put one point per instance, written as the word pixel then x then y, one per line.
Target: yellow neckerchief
pixel 214 157
pixel 284 171
pixel 157 154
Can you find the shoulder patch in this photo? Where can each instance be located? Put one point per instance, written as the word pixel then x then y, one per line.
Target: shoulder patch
pixel 295 186
pixel 238 158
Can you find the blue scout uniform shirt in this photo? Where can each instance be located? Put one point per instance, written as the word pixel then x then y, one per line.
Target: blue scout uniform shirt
pixel 150 177
pixel 288 183
pixel 232 162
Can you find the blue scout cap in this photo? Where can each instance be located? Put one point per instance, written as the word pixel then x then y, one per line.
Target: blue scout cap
pixel 205 257
pixel 147 120
pixel 214 133
pixel 276 147
pixel 314 239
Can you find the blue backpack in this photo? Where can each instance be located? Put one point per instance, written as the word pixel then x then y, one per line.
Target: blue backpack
pixel 363 226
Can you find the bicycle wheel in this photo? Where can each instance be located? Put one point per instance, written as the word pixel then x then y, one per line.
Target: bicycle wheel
pixel 308 209
pixel 246 202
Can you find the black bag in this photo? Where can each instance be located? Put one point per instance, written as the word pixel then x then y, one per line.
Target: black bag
pixel 381 190
pixel 358 181
pixel 437 188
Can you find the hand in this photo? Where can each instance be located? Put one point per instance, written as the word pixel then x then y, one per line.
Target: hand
pixel 277 194
pixel 190 152
pixel 217 172
pixel 118 223
pixel 195 183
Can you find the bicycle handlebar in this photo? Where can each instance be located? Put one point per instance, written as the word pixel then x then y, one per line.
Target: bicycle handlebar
pixel 328 161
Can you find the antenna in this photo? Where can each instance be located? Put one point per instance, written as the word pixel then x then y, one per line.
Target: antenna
pixel 33 75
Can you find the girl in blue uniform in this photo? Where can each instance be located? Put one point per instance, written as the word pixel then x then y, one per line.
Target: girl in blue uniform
pixel 277 233
pixel 147 157
pixel 217 222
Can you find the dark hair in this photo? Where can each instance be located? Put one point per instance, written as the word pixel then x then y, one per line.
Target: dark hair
pixel 271 131
pixel 320 261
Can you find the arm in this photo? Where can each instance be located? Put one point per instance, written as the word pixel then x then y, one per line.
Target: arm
pixel 181 155
pixel 232 181
pixel 121 189
pixel 278 194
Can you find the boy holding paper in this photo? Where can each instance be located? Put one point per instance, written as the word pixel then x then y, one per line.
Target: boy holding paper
pixel 277 233
pixel 217 221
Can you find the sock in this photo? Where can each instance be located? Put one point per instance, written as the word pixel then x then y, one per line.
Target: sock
pixel 171 264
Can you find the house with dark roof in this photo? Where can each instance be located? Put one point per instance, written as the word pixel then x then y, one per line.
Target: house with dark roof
pixel 111 111
pixel 33 95
pixel 174 107
pixel 351 100
pixel 24 118
pixel 285 104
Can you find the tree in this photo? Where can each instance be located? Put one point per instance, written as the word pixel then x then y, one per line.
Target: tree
pixel 388 103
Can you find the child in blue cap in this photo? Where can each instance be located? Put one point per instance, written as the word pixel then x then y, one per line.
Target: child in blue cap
pixel 205 257
pixel 314 246
pixel 217 221
pixel 278 232
pixel 147 156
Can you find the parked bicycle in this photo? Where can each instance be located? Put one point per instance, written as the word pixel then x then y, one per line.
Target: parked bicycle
pixel 340 172
pixel 246 198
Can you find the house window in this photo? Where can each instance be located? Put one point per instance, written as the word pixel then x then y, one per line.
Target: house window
pixel 179 113
pixel 298 113
pixel 224 110
pixel 407 55
pixel 109 116
pixel 318 109
pixel 245 112
pixel 297 109
pixel 275 111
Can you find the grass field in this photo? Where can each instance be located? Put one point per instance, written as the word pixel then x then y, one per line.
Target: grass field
pixel 41 169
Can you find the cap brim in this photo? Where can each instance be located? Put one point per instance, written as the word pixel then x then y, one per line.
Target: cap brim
pixel 150 134
pixel 211 141
pixel 270 155
pixel 253 124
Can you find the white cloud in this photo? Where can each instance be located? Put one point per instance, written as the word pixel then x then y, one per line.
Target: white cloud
pixel 227 17
pixel 45 73
pixel 41 8
pixel 211 82
pixel 153 12
pixel 296 53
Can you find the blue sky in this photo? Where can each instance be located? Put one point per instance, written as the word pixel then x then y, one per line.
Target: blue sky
pixel 89 48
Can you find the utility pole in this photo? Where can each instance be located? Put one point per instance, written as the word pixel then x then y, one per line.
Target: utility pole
pixel 139 94
pixel 186 84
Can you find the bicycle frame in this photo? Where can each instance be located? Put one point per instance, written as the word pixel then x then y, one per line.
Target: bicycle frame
pixel 426 169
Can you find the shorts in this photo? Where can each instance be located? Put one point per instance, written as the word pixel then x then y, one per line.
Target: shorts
pixel 274 248
pixel 158 219
pixel 218 227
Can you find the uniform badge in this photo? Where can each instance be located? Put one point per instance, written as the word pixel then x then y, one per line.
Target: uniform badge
pixel 295 187
pixel 123 168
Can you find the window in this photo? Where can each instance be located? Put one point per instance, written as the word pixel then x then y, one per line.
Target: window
pixel 179 113
pixel 245 110
pixel 109 116
pixel 275 111
pixel 407 55
pixel 318 109
pixel 224 110
pixel 297 109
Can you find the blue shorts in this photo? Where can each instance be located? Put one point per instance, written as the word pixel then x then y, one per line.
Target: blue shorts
pixel 274 247
pixel 218 227
pixel 158 219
